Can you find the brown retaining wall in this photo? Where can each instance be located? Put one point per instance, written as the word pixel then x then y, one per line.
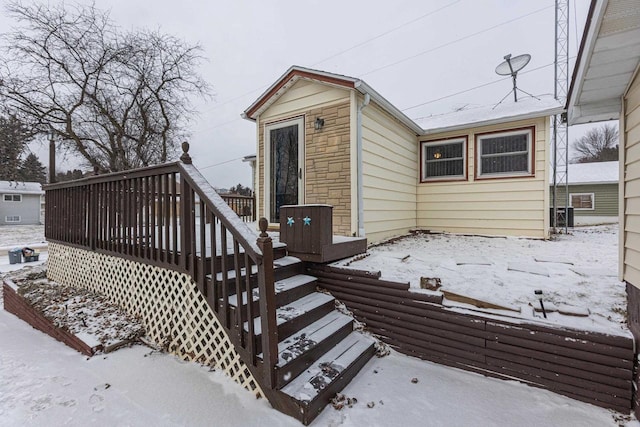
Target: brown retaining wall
pixel 20 307
pixel 592 367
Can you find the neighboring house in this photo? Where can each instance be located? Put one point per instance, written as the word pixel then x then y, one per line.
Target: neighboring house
pixel 606 86
pixel 21 203
pixel 329 138
pixel 593 192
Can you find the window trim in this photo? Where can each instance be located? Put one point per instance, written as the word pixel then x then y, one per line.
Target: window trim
pixel 531 173
pixel 442 141
pixel 6 219
pixel 593 201
pixel 4 198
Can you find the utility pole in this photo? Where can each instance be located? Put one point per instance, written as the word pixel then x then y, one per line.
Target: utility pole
pixel 52 159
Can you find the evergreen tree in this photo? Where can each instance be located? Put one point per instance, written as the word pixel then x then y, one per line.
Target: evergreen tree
pixel 14 138
pixel 32 170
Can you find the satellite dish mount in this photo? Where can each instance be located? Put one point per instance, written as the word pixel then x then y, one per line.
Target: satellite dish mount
pixel 510 67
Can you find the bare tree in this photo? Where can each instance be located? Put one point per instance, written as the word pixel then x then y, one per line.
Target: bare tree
pixel 597 145
pixel 120 100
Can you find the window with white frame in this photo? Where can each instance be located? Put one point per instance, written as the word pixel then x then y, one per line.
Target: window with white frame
pixel 13 197
pixel 12 218
pixel 444 159
pixel 582 201
pixel 505 154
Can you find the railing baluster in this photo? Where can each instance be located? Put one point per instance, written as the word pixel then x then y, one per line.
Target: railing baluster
pixel 153 201
pixel 202 263
pixel 214 260
pixel 161 221
pixel 251 335
pixel 225 275
pixel 174 218
pixel 239 308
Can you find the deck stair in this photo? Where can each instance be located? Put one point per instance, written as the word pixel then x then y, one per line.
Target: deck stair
pixel 318 352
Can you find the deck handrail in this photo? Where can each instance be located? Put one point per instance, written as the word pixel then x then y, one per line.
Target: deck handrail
pixel 170 216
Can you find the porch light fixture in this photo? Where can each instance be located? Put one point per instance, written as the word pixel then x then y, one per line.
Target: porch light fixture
pixel 319 124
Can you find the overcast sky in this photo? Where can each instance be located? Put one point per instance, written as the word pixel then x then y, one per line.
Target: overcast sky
pixel 418 54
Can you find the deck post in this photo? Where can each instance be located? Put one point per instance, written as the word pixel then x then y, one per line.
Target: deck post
pixel 267 305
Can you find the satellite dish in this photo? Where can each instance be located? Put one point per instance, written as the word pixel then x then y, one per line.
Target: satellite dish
pixel 513 65
pixel 510 67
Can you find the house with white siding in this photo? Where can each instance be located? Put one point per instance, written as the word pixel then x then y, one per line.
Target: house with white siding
pixel 21 203
pixel 332 139
pixel 606 86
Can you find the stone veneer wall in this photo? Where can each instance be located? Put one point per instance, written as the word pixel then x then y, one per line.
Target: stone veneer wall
pixel 174 312
pixel 327 163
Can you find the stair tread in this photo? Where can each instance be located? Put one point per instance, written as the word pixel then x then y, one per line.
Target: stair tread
pixel 308 385
pixel 293 310
pixel 283 285
pixel 278 263
pixel 285 261
pixel 294 346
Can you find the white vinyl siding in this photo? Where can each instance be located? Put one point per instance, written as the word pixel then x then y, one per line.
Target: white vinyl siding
pixel 509 206
pixel 631 185
pixel 390 174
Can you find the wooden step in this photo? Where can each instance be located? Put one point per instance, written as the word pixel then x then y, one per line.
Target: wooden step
pixel 287 291
pixel 295 316
pixel 314 388
pixel 299 351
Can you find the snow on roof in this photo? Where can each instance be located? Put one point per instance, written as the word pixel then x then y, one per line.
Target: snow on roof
pixel 525 108
pixel 16 187
pixel 591 173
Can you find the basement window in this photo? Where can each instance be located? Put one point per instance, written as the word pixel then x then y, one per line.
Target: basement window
pixel 582 201
pixel 13 197
pixel 505 154
pixel 444 160
pixel 12 218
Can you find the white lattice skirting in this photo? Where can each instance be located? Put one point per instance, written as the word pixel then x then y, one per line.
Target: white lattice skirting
pixel 169 304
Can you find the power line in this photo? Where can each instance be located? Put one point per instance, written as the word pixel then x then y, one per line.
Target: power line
pixel 345 50
pixel 386 32
pixel 474 88
pixel 221 163
pixel 455 41
pixel 409 57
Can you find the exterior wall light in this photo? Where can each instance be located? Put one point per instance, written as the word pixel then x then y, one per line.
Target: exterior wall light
pixel 319 123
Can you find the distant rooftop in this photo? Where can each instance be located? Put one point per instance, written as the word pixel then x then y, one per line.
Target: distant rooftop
pixel 18 187
pixel 525 108
pixel 591 173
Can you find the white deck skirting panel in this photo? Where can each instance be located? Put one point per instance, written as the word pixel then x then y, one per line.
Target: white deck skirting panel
pixel 175 314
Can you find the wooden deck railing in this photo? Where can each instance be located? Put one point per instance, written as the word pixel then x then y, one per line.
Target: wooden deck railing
pixel 244 206
pixel 170 216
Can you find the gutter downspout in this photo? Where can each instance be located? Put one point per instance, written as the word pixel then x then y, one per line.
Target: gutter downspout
pixel 361 107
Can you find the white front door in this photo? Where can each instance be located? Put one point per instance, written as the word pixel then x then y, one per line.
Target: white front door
pixel 284 155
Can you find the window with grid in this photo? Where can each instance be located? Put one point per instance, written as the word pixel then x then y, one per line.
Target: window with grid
pixel 13 197
pixel 443 160
pixel 505 154
pixel 581 201
pixel 12 218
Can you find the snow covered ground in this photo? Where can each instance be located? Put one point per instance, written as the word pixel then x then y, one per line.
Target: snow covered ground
pixel 576 272
pixel 44 383
pixel 21 235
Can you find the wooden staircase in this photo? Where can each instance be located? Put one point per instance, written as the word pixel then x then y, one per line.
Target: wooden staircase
pixel 318 351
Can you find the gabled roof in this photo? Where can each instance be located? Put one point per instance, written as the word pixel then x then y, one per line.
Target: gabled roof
pixel 607 60
pixel 593 173
pixel 18 187
pixel 296 73
pixel 525 108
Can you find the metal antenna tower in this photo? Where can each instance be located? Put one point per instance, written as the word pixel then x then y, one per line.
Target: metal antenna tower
pixel 560 130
